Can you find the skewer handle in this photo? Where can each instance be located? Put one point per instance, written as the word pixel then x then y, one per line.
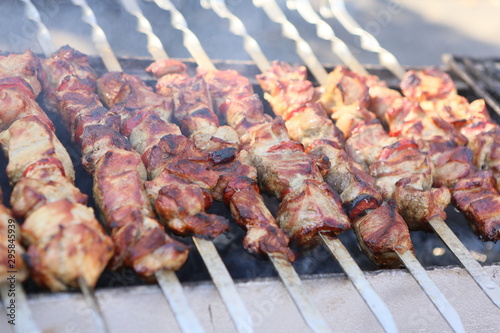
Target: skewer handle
pixel 463 255
pixel 292 282
pixel 172 289
pixel 355 274
pixel 436 296
pixel 225 285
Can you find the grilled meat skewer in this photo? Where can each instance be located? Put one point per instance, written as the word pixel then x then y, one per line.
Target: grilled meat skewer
pixel 380 229
pixel 232 184
pixel 118 172
pixel 432 114
pixel 44 194
pixel 308 205
pixel 180 179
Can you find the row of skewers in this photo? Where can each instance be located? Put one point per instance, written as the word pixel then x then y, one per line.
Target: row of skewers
pixel 213 149
pixel 254 148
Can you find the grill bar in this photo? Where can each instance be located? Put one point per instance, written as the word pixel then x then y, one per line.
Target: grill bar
pixel 368 41
pixel 218 272
pixel 439 226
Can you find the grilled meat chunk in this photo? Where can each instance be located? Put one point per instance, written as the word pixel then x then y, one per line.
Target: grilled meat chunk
pixel 23 145
pixel 10 234
pixel 293 98
pixel 18 101
pixel 477 197
pixel 70 244
pixel 130 91
pixel 23 66
pixel 140 241
pixel 381 233
pixel 193 108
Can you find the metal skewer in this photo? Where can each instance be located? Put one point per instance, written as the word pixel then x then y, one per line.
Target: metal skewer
pixel 24 321
pixel 368 41
pixel 220 276
pixel 91 299
pixel 436 296
pixel 303 49
pixel 168 281
pixel 462 254
pixel 289 276
pixel 325 31
pixel 338 250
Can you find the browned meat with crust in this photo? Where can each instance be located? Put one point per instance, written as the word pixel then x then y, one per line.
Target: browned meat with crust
pixel 451 162
pixel 402 160
pixel 29 140
pixel 383 232
pixel 53 70
pixel 69 244
pixel 17 101
pixel 286 88
pixel 407 119
pixel 244 111
pixel 350 180
pixel 24 66
pixel 166 66
pixel 237 185
pixel 308 205
pixel 223 84
pixel 429 84
pixel 180 179
pixel 140 241
pixel 11 252
pixel 486 149
pixel 366 142
pixel 404 174
pixel 283 167
pixel 344 87
pixel 380 230
pixel 477 197
pixel 293 97
pixel 43 174
pixel 193 108
pixel 118 87
pixel 118 191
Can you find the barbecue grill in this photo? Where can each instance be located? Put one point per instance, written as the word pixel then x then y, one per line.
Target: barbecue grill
pixel 128 304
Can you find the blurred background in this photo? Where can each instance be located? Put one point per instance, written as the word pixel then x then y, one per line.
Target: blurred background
pixel 417 32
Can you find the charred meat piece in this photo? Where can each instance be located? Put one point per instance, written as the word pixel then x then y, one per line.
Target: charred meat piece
pixel 381 233
pixel 193 108
pixel 180 179
pixel 477 197
pixel 23 66
pixel 140 241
